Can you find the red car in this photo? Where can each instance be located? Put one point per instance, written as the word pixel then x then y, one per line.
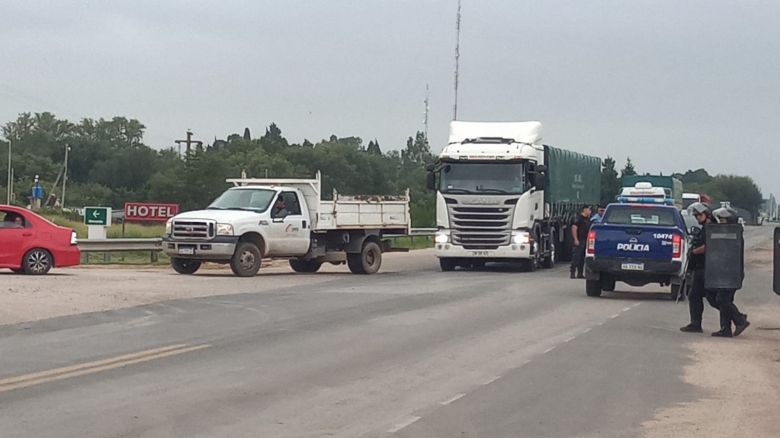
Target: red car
pixel 33 245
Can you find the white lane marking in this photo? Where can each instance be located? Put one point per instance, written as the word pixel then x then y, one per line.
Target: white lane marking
pixel 626 309
pixel 614 316
pixel 453 399
pixel 635 305
pixel 488 382
pixel 569 339
pixel 587 330
pixel 403 424
pixel 549 349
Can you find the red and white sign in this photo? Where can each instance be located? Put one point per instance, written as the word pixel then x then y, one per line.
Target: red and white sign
pixel 144 211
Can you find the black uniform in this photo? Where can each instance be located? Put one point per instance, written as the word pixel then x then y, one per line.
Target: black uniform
pixel 698 292
pixel 578 253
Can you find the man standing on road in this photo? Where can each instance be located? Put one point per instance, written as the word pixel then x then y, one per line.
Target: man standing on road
pixel 579 233
pixel 696 264
pixel 724 298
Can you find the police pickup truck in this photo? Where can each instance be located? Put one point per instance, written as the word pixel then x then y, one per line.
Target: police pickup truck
pixel 637 243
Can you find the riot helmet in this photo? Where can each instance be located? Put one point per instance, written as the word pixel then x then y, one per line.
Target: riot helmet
pixel 727 214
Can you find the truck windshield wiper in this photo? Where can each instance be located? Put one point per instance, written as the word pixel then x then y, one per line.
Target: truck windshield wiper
pixel 492 190
pixel 456 191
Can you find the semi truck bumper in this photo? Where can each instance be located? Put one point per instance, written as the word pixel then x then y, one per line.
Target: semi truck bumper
pixel 513 251
pixel 219 248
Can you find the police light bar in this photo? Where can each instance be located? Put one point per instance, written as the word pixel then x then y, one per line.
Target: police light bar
pixel 644 200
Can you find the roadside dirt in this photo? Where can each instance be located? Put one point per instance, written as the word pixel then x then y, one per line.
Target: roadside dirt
pixel 93 289
pixel 739 378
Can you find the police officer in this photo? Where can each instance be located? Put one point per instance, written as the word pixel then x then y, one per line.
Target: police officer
pixel 724 298
pixel 696 260
pixel 579 234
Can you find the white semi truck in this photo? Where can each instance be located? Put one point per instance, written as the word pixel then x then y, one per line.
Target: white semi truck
pixel 286 218
pixel 503 196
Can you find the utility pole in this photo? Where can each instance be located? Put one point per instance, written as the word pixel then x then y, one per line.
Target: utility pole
pixel 65 176
pixel 427 107
pixel 8 191
pixel 457 62
pixel 189 142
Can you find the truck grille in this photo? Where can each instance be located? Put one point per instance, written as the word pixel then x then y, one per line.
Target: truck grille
pixel 481 227
pixel 194 230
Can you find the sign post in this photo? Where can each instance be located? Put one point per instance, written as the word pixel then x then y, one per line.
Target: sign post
pixel 776 273
pixel 97 220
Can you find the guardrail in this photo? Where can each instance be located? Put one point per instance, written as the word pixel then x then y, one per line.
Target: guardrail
pixel 154 245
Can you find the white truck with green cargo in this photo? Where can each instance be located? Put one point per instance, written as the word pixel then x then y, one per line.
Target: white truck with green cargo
pixel 503 196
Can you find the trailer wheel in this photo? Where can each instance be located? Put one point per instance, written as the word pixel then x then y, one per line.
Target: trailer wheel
pixel 246 260
pixel 368 261
pixel 185 266
pixel 299 265
pixel 593 288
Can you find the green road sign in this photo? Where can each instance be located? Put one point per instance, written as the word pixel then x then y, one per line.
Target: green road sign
pixel 97 215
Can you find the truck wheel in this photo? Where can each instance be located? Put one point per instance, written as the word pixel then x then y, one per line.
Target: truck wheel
pixel 608 284
pixel 447 264
pixel 246 260
pixel 549 261
pixel 675 291
pixel 593 288
pixel 299 265
pixel 368 261
pixel 185 266
pixel 37 262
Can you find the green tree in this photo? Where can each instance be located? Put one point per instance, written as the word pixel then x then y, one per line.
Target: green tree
pixel 610 183
pixel 628 169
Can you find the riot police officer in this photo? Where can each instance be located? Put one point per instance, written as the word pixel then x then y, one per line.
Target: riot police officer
pixel 696 261
pixel 724 298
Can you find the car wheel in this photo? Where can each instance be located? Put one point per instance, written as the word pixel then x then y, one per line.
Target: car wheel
pixel 593 288
pixel 185 266
pixel 299 265
pixel 368 261
pixel 608 284
pixel 37 261
pixel 246 260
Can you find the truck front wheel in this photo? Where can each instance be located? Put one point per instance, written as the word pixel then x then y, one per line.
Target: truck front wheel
pixel 299 265
pixel 593 288
pixel 368 261
pixel 246 260
pixel 185 266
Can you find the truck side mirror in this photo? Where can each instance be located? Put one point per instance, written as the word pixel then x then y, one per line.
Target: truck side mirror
pixel 539 180
pixel 430 181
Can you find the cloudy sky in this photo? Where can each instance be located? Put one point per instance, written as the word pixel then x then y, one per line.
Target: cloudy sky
pixel 672 84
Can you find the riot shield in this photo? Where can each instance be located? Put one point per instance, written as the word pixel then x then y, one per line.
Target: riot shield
pixel 724 266
pixel 776 276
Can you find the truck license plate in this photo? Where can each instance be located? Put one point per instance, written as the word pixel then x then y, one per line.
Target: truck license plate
pixel 187 251
pixel 633 266
pixel 479 253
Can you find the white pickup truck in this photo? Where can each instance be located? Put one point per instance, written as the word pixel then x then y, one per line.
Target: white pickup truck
pixel 286 219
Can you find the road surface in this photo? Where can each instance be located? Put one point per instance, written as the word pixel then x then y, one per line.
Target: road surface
pixel 410 352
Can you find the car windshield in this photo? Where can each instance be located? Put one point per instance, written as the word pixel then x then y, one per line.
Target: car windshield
pixel 244 199
pixel 641 216
pixel 484 178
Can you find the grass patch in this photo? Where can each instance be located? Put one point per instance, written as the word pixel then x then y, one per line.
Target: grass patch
pixel 131 230
pixel 416 242
pixel 124 258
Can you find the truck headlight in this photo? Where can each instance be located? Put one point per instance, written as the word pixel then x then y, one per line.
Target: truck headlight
pixel 169 227
pixel 442 237
pixel 521 237
pixel 224 230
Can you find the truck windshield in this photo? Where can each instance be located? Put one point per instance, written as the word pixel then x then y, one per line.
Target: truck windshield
pixel 484 178
pixel 641 216
pixel 244 199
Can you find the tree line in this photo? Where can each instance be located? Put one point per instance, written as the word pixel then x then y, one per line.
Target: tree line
pixel 109 164
pixel 740 191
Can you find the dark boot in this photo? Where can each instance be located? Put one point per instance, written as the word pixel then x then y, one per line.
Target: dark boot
pixel 723 333
pixel 741 327
pixel 572 275
pixel 692 328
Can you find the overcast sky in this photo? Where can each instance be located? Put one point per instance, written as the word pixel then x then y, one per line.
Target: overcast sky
pixel 673 84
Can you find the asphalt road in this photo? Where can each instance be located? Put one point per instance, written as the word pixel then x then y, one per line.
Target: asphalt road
pixel 410 352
